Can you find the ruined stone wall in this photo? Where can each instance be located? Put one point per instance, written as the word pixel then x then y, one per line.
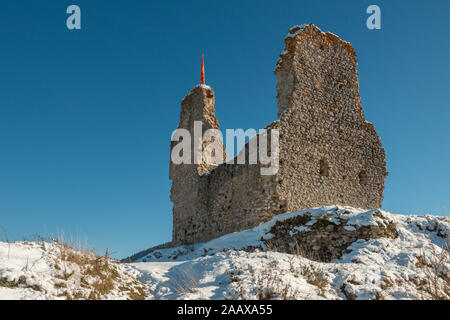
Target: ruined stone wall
pixel 228 198
pixel 328 153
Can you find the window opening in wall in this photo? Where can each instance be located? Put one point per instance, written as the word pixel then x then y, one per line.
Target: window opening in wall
pixel 363 177
pixel 324 168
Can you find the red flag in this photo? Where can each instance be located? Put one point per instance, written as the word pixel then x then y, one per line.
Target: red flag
pixel 202 74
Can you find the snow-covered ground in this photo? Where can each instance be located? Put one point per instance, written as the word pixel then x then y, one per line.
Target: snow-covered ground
pixel 41 270
pixel 414 265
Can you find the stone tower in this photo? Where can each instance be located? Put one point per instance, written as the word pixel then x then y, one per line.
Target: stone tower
pixel 328 153
pixel 196 107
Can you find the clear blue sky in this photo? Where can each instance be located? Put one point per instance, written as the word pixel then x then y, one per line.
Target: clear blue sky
pixel 86 116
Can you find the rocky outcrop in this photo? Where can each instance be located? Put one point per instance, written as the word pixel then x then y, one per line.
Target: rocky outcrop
pixel 327 236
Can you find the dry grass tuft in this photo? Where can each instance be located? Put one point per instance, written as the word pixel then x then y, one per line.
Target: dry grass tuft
pixel 435 267
pixel 316 278
pixel 268 286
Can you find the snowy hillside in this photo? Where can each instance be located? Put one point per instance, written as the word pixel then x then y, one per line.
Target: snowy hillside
pixel 41 270
pixel 411 266
pixel 322 253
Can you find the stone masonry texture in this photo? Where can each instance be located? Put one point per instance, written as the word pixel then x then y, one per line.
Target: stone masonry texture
pixel 328 153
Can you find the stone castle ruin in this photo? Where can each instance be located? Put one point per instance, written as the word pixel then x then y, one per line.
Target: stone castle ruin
pixel 328 153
